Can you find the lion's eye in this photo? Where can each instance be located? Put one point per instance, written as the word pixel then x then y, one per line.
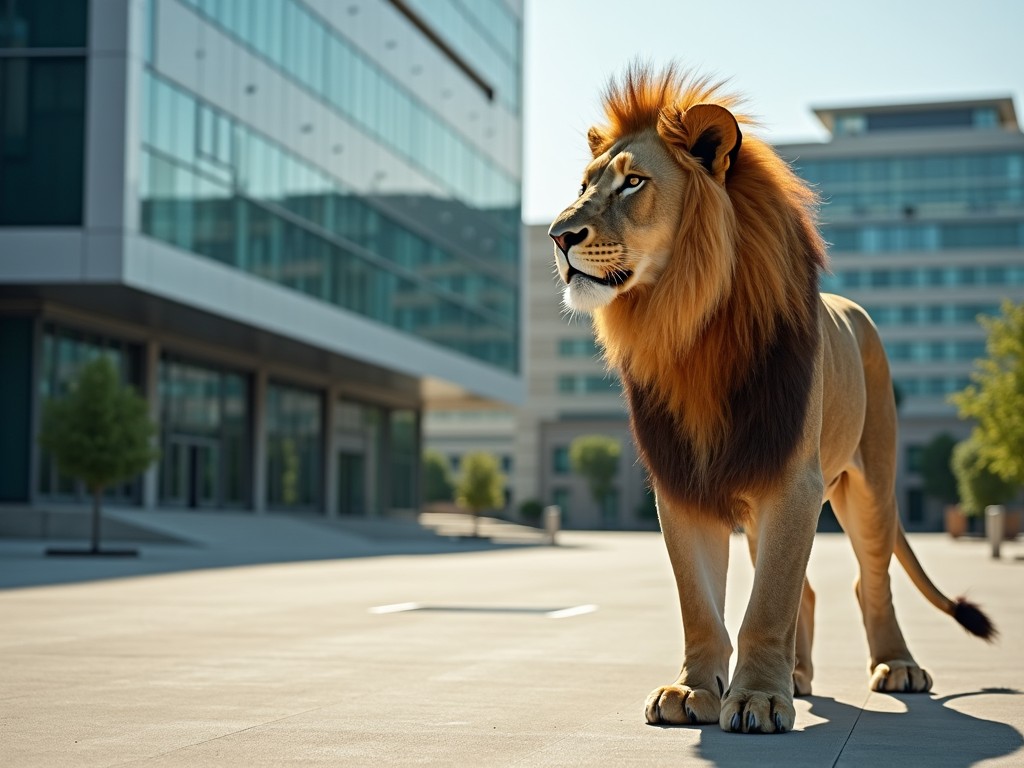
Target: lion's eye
pixel 583 188
pixel 632 183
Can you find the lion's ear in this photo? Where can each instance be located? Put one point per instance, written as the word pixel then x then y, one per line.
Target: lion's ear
pixel 597 141
pixel 711 134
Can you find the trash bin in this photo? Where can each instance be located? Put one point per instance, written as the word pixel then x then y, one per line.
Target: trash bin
pixel 995 524
pixel 552 523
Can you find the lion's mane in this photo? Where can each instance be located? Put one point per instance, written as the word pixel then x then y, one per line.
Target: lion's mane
pixel 717 356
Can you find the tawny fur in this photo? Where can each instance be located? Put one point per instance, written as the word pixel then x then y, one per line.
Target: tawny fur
pixel 750 394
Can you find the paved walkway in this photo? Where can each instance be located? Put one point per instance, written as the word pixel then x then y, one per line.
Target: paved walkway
pixel 288 664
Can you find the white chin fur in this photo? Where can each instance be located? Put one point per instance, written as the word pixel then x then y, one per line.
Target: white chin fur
pixel 584 295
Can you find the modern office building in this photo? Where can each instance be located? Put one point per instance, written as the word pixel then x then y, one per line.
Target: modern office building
pixel 290 223
pixel 569 394
pixel 924 210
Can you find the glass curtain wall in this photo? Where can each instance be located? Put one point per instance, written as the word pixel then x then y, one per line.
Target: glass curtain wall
pixel 205 417
pixel 294 424
pixel 42 111
pixel 65 351
pixel 215 187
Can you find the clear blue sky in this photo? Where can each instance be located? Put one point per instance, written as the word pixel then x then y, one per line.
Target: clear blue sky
pixel 785 56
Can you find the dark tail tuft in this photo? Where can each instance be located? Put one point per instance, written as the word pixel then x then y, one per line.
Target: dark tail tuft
pixel 973 620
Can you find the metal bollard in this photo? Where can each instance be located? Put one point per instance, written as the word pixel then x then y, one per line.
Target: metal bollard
pixel 995 524
pixel 552 523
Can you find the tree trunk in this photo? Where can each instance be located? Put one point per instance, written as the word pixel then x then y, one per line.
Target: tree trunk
pixel 97 493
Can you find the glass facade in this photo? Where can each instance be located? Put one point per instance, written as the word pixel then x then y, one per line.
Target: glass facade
pixel 64 352
pixel 216 187
pixel 588 384
pixel 924 277
pixel 294 424
pixel 878 238
pixel 205 441
pixel 42 111
pixel 928 314
pixel 578 348
pixel 483 32
pixel 43 23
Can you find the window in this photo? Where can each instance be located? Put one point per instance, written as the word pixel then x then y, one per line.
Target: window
pixel 43 23
pixel 65 352
pixel 914 456
pixel 294 424
pixel 404 458
pixel 585 347
pixel 560 460
pixel 915 505
pixel 42 140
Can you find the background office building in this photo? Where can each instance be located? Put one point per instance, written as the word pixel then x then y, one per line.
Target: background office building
pixel 924 210
pixel 290 223
pixel 569 394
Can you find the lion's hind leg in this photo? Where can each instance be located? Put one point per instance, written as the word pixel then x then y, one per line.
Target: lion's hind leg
pixel 870 519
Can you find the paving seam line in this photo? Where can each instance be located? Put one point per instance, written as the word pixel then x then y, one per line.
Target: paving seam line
pixel 852 727
pixel 147 758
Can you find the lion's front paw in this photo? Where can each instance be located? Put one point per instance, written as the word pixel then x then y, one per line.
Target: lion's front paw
pixel 900 677
pixel 680 704
pixel 750 711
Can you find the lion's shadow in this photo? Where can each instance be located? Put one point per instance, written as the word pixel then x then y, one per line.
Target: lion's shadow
pixel 927 733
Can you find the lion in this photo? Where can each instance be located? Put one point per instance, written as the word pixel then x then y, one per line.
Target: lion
pixel 753 398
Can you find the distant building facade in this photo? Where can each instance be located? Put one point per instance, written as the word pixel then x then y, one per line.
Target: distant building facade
pixel 290 223
pixel 924 210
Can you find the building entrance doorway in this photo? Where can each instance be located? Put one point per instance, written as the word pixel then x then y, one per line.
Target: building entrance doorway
pixel 351 483
pixel 191 472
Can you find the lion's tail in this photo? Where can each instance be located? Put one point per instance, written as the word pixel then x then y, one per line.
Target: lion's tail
pixel 970 616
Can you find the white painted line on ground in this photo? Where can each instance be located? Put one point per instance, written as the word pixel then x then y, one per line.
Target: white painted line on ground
pixel 566 613
pixel 396 608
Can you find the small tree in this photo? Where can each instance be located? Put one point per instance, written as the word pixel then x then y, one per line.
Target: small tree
pixel 530 511
pixel 99 433
pixel 996 398
pixel 482 486
pixel 595 458
pixel 936 470
pixel 437 480
pixel 979 486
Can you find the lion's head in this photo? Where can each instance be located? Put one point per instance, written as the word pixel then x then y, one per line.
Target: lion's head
pixel 660 155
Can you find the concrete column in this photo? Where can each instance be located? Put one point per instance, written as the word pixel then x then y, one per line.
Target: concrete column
pixel 258 421
pixel 151 389
pixel 330 451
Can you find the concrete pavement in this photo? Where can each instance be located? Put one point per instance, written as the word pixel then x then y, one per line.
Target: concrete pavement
pixel 288 664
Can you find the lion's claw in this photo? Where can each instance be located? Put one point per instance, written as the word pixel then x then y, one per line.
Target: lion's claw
pixel 750 711
pixel 900 677
pixel 681 705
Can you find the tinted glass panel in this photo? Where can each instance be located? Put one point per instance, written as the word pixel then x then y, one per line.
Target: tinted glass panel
pixel 43 23
pixel 42 141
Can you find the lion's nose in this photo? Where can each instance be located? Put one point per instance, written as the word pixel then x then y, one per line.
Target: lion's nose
pixel 567 240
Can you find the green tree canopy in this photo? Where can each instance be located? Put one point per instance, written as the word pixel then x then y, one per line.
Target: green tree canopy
pixel 937 471
pixel 979 486
pixel 596 458
pixel 437 480
pixel 995 399
pixel 481 485
pixel 99 433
